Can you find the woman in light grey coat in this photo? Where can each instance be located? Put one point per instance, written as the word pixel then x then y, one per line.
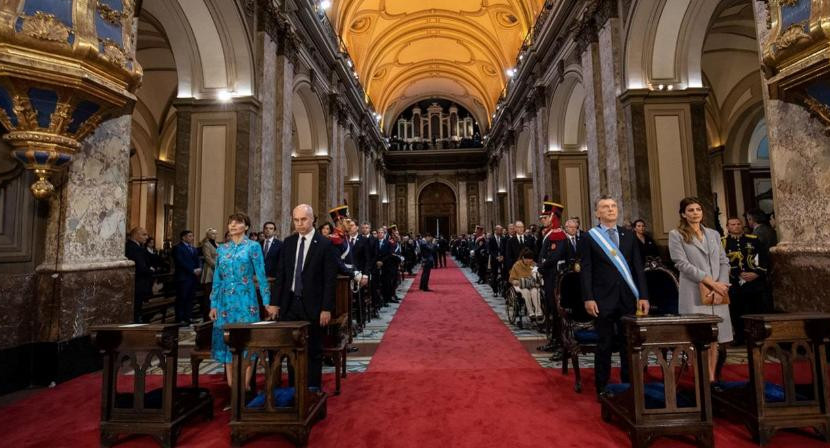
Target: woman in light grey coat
pixel 699 256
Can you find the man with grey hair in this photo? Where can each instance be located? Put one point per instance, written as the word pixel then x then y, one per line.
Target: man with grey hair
pixel 572 232
pixel 305 284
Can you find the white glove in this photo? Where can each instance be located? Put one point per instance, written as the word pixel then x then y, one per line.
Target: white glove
pixel 358 276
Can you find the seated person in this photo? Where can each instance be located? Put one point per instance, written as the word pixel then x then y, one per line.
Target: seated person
pixel 524 278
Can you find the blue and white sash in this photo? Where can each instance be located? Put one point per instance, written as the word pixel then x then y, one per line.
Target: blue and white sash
pixel 616 258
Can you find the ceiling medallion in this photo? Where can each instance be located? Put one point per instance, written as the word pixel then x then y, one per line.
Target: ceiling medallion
pixel 506 19
pixel 360 25
pixel 489 70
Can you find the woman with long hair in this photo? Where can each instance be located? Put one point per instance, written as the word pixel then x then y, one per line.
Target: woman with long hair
pixel 699 256
pixel 234 299
pixel 648 248
pixel 326 229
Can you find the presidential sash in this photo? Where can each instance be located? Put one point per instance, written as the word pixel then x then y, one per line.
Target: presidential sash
pixel 616 258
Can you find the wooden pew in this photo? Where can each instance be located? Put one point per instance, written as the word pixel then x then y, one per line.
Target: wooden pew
pixel 337 335
pixel 766 405
pixel 648 410
pixel 290 410
pixel 201 349
pixel 160 412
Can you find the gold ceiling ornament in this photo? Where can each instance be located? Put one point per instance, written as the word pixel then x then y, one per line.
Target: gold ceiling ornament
pixel 426 48
pixel 65 66
pixel 796 55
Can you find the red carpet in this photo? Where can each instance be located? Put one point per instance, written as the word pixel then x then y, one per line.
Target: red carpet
pixel 447 374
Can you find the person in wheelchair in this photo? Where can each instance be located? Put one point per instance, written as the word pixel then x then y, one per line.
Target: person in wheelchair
pixel 525 279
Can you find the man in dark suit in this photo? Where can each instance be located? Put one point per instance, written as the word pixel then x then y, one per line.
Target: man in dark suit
pixel 305 284
pixel 188 272
pixel 136 252
pixel 607 293
pixel 427 261
pixel 516 244
pixel 270 248
pixel 574 237
pixel 496 247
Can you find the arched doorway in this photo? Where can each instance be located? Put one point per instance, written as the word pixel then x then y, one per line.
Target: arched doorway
pixel 437 210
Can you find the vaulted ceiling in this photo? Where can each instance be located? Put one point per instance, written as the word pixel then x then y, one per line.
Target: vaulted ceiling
pixel 408 50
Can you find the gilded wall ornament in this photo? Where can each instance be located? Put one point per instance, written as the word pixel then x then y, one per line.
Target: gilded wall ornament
pixel 793 34
pixel 56 92
pixel 45 26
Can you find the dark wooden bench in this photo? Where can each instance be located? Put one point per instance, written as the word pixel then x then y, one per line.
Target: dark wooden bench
pixel 338 333
pixel 159 412
pixel 667 406
pixel 288 409
pixel 766 403
pixel 201 348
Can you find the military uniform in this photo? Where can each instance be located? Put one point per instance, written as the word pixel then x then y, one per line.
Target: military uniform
pixel 746 254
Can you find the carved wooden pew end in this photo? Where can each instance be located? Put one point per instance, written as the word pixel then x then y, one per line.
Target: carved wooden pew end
pixel 160 412
pixel 670 407
pixel 290 410
pixel 767 404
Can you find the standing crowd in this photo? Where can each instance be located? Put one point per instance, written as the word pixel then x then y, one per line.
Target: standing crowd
pixel 251 276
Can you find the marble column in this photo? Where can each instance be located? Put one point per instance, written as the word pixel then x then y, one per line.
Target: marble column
pixel 617 159
pixel 264 194
pixel 594 125
pixel 284 93
pixel 670 156
pixel 84 278
pixel 800 169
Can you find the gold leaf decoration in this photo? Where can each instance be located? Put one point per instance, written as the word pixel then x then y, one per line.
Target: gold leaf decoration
pixel 791 35
pixel 45 26
pixel 114 53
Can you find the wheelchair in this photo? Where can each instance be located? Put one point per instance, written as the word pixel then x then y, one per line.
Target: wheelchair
pixel 517 305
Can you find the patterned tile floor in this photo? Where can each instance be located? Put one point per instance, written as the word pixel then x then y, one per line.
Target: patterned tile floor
pixel 530 336
pixel 372 334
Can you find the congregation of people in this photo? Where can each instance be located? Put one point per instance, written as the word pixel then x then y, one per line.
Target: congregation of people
pixel 223 280
pixel 725 273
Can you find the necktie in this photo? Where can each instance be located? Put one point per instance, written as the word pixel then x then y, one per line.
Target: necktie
pixel 267 246
pixel 298 270
pixel 521 240
pixel 612 233
pixel 573 242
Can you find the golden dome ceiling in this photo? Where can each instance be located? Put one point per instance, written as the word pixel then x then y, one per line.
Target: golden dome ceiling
pixel 408 50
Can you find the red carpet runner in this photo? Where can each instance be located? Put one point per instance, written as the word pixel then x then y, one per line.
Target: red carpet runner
pixel 448 373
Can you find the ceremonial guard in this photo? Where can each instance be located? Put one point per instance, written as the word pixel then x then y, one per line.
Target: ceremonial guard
pixel 389 260
pixel 747 275
pixel 552 247
pixel 340 239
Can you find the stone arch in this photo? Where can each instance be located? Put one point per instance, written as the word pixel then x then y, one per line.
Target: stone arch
pixel 209 40
pixel 309 121
pixel 353 159
pixel 664 43
pixel 566 130
pixel 523 168
pixel 437 207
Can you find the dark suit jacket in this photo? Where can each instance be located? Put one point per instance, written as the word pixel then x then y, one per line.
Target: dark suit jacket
pixel 571 252
pixel 272 257
pixel 320 268
pixel 601 281
pixel 514 249
pixel 428 252
pixel 362 254
pixel 186 259
pixel 143 273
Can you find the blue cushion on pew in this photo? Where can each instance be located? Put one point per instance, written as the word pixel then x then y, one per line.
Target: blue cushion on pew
pixel 655 395
pixel 773 393
pixel 283 398
pixel 586 336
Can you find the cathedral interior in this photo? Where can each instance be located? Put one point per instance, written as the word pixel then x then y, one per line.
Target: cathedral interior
pixel 437 116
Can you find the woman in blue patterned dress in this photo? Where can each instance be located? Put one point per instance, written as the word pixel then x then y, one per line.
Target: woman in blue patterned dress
pixel 233 299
